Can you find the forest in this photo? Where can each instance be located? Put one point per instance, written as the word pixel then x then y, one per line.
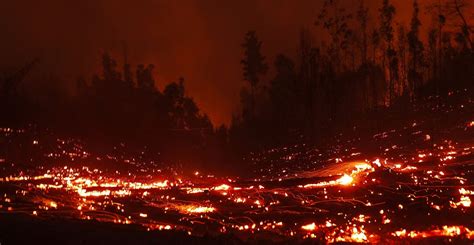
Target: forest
pixel 363 133
pixel 361 70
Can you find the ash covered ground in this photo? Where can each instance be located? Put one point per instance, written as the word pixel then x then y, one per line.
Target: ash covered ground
pixel 411 180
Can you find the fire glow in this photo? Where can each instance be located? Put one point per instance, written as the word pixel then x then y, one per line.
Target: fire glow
pixel 345 179
pixel 355 201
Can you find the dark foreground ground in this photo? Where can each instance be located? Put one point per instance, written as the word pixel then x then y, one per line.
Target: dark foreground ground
pixel 22 229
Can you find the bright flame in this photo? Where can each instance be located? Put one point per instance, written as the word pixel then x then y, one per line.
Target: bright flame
pixel 465 202
pixel 200 209
pixel 446 231
pixel 222 187
pixel 309 227
pixel 358 236
pixel 345 180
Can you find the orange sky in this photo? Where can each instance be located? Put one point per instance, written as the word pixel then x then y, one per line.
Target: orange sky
pixel 197 39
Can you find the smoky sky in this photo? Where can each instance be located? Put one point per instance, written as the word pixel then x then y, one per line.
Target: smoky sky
pixel 199 40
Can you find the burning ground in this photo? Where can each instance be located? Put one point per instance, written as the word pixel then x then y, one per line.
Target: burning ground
pixel 412 181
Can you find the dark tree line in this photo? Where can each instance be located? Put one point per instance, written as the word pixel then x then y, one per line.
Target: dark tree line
pixel 123 105
pixel 369 64
pixel 119 106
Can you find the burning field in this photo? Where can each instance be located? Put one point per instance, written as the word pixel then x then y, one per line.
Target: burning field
pixel 407 184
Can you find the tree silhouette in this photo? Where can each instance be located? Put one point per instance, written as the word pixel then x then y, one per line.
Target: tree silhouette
pixel 363 18
pixel 416 51
pixel 109 68
pixel 375 41
pixel 308 77
pixel 364 69
pixel 127 75
pixel 432 52
pixel 334 19
pixel 284 92
pixel 145 80
pixel 402 56
pixel 456 8
pixel 387 12
pixel 253 63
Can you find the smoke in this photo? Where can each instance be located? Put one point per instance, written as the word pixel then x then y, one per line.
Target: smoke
pixel 199 40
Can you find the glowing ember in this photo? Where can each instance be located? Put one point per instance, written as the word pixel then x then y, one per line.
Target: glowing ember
pixel 465 202
pixel 200 209
pixel 446 231
pixel 345 180
pixel 309 227
pixel 222 187
pixel 463 191
pixel 338 198
pixel 53 204
pixel 85 193
pixel 358 235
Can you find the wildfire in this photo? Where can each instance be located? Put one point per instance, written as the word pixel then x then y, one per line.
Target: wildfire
pixel 222 187
pixel 409 183
pixel 94 195
pixel 84 193
pixel 358 235
pixel 446 231
pixel 463 191
pixel 345 179
pixel 53 204
pixel 200 209
pixel 309 227
pixel 465 202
